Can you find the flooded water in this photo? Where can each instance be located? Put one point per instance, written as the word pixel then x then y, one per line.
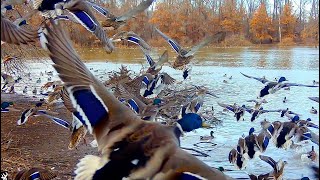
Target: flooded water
pixel 298 65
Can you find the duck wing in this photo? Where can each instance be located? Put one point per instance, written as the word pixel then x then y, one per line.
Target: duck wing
pixel 262 80
pixel 140 8
pixel 216 37
pixel 316 99
pixel 175 46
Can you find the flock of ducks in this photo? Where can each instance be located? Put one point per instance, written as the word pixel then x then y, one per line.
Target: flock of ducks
pixel 123 113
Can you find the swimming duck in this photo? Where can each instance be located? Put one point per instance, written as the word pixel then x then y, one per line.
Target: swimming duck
pixel 238 111
pixel 34 91
pixel 39 80
pixel 284 100
pixel 313 110
pixel 277 172
pixel 184 56
pixel 25 90
pixel 114 22
pixel 225 81
pixel 132 37
pixel 207 138
pixel 119 130
pixel 230 77
pixel 13 34
pixel 35 173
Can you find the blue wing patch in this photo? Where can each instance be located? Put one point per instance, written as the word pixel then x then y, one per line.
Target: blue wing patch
pixel 145 80
pixel 87 102
pixel 133 39
pixel 85 20
pixel 270 129
pixel 150 60
pixel 8 7
pixel 99 9
pixel 197 107
pixel 133 105
pixel 174 45
pixel 306 136
pixel 61 122
pixel 4 110
pixel 265 142
pixel 35 176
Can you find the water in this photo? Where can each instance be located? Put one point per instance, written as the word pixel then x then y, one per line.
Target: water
pixel 298 65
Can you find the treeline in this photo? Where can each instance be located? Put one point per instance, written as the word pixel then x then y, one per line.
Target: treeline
pixel 287 22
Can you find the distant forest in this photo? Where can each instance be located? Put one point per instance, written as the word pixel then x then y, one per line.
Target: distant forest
pixel 247 22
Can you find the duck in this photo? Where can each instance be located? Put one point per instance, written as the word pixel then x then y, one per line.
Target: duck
pixel 306 123
pixel 238 110
pixel 311 155
pixel 286 132
pixel 285 112
pixel 225 75
pixel 237 159
pixel 14 34
pixel 255 113
pixel 35 111
pixel 258 103
pixel 207 138
pixel 284 100
pixel 8 106
pixel 316 99
pixel 112 22
pixel 133 38
pixel 38 80
pixel 278 169
pixel 82 13
pixel 25 90
pixel 274 86
pixel 155 67
pixel 34 91
pixel 78 130
pixel 184 56
pixel 35 173
pixel 186 72
pixel 315 82
pixel 117 129
pixel 250 147
pixel 313 110
pixel 225 81
pixel 230 77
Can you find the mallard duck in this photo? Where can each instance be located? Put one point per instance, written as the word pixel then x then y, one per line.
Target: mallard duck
pixel 114 22
pixel 35 111
pixel 311 155
pixel 155 67
pixel 257 112
pixel 272 129
pixel 306 123
pixel 287 131
pixel 313 110
pixel 273 86
pixel 117 129
pixel 277 172
pixel 35 173
pixel 8 106
pixel 184 56
pixel 13 34
pixel 286 112
pixel 186 73
pixel 250 147
pixel 78 131
pixel 207 138
pixel 25 90
pixel 237 159
pixel 133 38
pixel 238 111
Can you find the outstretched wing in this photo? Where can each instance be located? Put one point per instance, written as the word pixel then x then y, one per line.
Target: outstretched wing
pixel 295 84
pixel 270 161
pixel 316 99
pixel 226 106
pixel 216 37
pixel 141 7
pixel 176 47
pixel 13 34
pixel 100 9
pixel 263 80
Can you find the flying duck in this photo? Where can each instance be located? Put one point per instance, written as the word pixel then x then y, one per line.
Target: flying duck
pixel 238 111
pixel 255 113
pixel 184 56
pixel 154 150
pixel 277 172
pixel 133 38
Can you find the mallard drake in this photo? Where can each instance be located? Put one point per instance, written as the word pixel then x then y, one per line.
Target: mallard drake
pixel 114 22
pixel 238 111
pixel 35 173
pixel 8 106
pixel 13 34
pixel 186 72
pixel 277 172
pixel 250 147
pixel 184 56
pixel 287 131
pixel 207 138
pixel 154 148
pixel 313 110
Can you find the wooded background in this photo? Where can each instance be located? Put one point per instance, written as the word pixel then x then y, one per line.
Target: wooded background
pixel 288 22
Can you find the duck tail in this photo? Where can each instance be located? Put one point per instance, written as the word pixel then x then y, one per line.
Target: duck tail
pixel 87 167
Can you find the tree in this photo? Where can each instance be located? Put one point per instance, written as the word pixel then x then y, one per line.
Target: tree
pixel 288 22
pixel 260 25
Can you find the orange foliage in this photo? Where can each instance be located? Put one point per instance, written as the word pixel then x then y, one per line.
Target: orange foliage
pixel 288 22
pixel 260 24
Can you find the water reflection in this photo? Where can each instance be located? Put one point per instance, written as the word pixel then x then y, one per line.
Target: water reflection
pixel 262 57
